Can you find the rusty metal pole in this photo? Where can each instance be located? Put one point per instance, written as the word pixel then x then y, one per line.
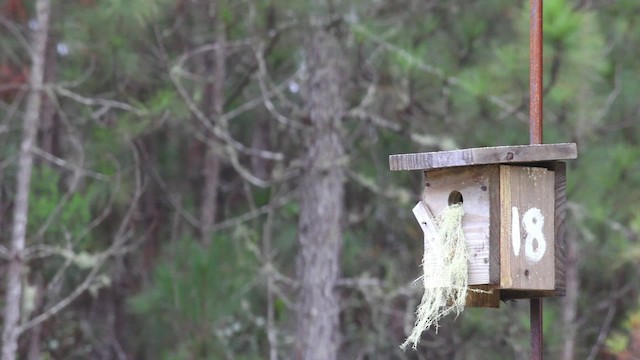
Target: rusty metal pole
pixel 535 137
pixel 535 73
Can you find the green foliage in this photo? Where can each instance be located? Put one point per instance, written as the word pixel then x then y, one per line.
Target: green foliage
pixel 136 12
pixel 197 298
pixel 477 83
pixel 68 214
pixel 561 22
pixel 625 339
pixel 617 343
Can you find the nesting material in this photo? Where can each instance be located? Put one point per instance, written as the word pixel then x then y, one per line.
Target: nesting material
pixel 445 265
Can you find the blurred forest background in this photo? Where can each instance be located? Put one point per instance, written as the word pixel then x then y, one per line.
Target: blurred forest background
pixel 209 179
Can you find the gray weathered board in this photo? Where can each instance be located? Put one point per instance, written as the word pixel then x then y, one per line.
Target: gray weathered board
pixel 485 296
pixel 492 298
pixel 559 168
pixel 527 211
pixel 482 156
pixel 477 184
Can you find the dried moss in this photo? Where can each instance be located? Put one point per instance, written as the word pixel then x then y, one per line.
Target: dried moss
pixel 446 284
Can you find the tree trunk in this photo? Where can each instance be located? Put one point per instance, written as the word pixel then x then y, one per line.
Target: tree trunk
pixel 35 341
pixel 261 140
pixel 151 209
pixel 49 129
pixel 214 102
pixel 321 202
pixel 13 295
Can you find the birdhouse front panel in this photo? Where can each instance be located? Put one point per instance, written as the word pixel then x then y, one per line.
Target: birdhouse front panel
pixel 527 215
pixel 474 187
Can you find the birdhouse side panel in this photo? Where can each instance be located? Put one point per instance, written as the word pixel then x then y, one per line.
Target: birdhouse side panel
pixel 472 186
pixel 560 171
pixel 527 216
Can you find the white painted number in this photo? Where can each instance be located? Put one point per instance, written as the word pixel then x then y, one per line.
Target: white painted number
pixel 515 230
pixel 533 222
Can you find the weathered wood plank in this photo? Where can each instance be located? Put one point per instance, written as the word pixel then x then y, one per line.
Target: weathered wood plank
pixel 527 231
pixel 560 171
pixel 483 156
pixel 494 228
pixel 475 184
pixel 488 299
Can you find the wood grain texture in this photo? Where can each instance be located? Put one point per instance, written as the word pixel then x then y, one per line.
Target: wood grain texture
pixel 494 227
pixel 490 299
pixel 427 223
pixel 560 171
pixel 475 184
pixel 483 156
pixel 527 190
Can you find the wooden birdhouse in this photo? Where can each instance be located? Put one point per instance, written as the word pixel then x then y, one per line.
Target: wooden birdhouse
pixel 514 200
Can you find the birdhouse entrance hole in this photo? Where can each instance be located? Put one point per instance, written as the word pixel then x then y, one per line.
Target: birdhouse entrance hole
pixel 455 198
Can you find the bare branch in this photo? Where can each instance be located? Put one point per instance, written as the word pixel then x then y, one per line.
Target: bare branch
pixel 216 129
pixel 11 112
pixel 69 166
pixel 435 71
pixel 611 98
pixel 275 90
pixel 235 162
pixel 17 33
pixel 274 204
pixel 13 295
pixel 204 49
pixel 376 119
pixel 401 195
pixel 265 99
pixel 604 332
pixel 50 312
pixel 118 241
pixel 4 252
pixel 186 215
pixel 97 101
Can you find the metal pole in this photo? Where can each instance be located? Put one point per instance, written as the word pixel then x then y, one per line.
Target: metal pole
pixel 535 137
pixel 536 329
pixel 535 73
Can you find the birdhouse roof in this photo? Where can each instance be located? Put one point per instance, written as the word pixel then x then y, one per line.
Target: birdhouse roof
pixel 483 156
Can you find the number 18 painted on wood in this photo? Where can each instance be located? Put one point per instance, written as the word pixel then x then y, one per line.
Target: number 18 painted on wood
pixel 527 209
pixel 533 223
